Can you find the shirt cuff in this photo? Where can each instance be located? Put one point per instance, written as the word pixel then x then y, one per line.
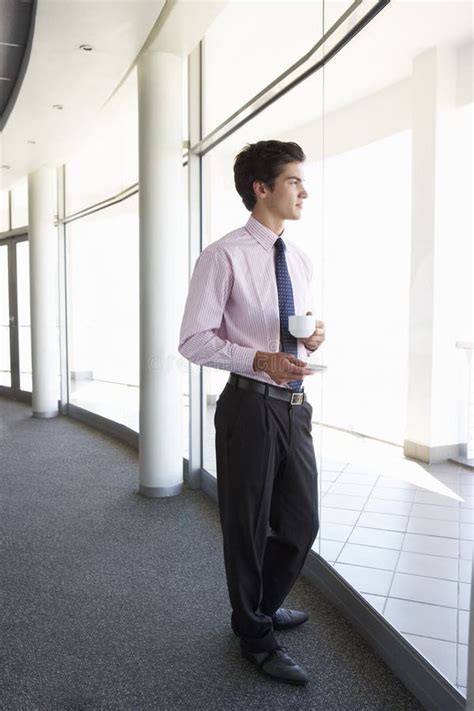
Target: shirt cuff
pixel 242 359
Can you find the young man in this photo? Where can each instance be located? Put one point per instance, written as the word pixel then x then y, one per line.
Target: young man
pixel 243 289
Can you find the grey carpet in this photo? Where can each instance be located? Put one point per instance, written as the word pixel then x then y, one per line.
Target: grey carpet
pixel 115 601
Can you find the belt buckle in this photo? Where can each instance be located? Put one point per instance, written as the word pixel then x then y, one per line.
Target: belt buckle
pixel 297 398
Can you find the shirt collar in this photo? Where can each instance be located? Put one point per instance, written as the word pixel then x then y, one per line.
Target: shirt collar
pixel 262 234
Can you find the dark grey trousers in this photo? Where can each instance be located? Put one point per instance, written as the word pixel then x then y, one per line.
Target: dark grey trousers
pixel 268 504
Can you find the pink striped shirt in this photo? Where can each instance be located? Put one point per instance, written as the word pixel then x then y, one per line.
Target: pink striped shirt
pixel 232 306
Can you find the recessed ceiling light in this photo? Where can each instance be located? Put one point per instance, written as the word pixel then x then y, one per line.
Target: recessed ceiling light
pixel 57 106
pixel 86 47
pixel 5 167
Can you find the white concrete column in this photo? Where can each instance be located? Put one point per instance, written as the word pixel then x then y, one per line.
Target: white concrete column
pixel 162 272
pixel 439 291
pixel 43 291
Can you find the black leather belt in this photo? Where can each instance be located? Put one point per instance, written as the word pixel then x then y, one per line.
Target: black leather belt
pixel 240 381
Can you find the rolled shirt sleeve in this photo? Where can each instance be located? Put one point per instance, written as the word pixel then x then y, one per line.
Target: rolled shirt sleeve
pixel 199 341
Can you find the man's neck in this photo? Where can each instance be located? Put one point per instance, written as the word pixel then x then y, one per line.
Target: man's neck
pixel 275 224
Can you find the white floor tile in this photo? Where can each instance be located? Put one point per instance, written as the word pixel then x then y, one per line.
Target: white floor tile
pixel 464 596
pixel 447 529
pixel 366 580
pixel 329 550
pixel 462 690
pixel 334 531
pixel 444 468
pixel 380 539
pixel 381 558
pixel 386 522
pixel 361 469
pixel 361 479
pixel 462 664
pixel 400 508
pixel 467 502
pixel 430 497
pixel 463 627
pixel 329 475
pixel 440 654
pixel 430 566
pixel 467 531
pixel 354 503
pixel 440 513
pixel 420 589
pixel 434 545
pixel 333 515
pixel 465 571
pixel 465 550
pixel 422 619
pixel 392 483
pixel 333 465
pixel 393 494
pixel 377 601
pixel 467 515
pixel 347 489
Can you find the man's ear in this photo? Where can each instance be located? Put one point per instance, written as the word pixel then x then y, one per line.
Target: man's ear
pixel 259 188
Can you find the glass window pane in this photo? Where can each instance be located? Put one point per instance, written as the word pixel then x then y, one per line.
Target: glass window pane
pixel 4 211
pixel 19 194
pixel 185 363
pixel 103 312
pixel 276 36
pixel 105 161
pixel 5 368
pixel 24 323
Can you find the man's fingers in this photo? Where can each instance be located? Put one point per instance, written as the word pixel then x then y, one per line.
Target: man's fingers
pixel 296 361
pixel 298 367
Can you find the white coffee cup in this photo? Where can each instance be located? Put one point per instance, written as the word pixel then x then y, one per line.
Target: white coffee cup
pixel 301 326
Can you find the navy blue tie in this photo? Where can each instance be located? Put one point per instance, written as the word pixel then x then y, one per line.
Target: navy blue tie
pixel 286 305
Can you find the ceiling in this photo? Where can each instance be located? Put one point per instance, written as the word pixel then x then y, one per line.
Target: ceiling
pixel 60 74
pixel 17 20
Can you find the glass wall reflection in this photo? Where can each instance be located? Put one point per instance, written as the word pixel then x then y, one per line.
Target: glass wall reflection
pixel 4 211
pixel 387 226
pixel 19 203
pixel 5 366
pixel 24 322
pixel 103 312
pixel 398 529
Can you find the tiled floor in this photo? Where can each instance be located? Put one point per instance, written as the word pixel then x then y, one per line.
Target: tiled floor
pixel 401 533
pixel 403 540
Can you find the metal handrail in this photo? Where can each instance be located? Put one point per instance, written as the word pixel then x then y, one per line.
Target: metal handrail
pixel 287 80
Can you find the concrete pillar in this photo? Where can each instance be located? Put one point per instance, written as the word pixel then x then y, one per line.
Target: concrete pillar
pixel 439 248
pixel 162 268
pixel 43 291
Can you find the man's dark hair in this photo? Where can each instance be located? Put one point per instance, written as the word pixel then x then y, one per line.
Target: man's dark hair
pixel 262 161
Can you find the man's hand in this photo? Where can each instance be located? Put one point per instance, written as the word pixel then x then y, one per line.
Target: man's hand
pixel 317 337
pixel 281 367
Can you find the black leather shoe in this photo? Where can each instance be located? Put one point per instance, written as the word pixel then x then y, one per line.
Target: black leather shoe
pixel 284 619
pixel 279 665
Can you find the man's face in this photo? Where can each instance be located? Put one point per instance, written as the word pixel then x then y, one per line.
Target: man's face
pixel 288 194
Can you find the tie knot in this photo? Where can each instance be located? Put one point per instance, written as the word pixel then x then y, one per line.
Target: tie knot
pixel 279 244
